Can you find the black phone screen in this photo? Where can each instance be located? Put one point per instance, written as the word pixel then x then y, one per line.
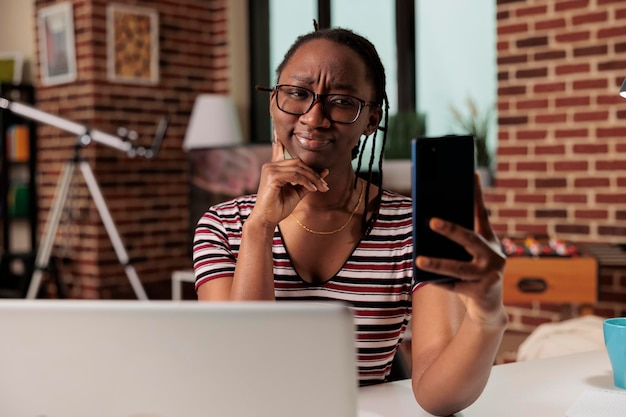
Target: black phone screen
pixel 442 186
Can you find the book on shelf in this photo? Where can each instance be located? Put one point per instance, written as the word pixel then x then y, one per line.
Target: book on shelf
pixel 18 200
pixel 18 143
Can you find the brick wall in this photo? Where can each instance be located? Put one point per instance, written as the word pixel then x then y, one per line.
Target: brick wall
pixel 148 199
pixel 561 160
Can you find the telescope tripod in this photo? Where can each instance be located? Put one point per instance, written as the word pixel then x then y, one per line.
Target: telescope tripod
pixel 54 216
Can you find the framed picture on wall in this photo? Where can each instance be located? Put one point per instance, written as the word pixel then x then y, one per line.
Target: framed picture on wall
pixel 11 67
pixel 57 50
pixel 132 44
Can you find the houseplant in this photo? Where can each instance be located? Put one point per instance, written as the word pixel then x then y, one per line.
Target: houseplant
pixel 476 123
pixel 402 127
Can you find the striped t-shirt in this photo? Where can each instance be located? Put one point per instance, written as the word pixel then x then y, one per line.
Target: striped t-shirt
pixel 376 279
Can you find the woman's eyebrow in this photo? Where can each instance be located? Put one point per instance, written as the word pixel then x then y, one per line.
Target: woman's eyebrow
pixel 308 82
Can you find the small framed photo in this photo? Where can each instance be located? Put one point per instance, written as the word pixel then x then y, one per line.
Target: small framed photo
pixel 11 67
pixel 132 44
pixel 57 50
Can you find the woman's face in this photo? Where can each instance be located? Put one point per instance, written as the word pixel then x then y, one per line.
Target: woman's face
pixel 324 67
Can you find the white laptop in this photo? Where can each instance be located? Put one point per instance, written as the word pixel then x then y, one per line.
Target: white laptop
pixel 78 358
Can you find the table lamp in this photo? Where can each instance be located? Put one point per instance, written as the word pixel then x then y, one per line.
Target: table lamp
pixel 213 123
pixel 622 90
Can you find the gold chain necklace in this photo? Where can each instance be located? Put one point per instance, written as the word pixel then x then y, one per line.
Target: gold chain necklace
pixel 332 232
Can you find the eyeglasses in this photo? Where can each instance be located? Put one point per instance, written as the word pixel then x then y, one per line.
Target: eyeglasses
pixel 338 108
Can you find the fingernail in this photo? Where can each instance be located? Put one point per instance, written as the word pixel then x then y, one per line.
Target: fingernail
pixel 437 224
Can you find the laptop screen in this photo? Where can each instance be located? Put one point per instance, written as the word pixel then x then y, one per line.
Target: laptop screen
pixel 76 358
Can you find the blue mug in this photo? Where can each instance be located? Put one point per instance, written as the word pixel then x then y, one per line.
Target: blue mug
pixel 615 342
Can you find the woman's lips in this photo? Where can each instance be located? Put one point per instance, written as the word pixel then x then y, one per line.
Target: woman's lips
pixel 309 142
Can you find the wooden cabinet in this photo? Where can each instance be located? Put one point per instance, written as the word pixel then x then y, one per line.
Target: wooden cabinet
pixel 18 193
pixel 551 280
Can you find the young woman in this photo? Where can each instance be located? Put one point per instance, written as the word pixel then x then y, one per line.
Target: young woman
pixel 316 231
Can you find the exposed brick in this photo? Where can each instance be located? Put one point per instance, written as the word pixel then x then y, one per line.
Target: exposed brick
pixel 611 165
pixel 530 198
pixel 512 59
pixel 611 198
pixel 612 231
pixel 550 118
pixel 553 214
pixel 532 42
pixel 148 199
pixel 549 87
pixel 621 46
pixel 591 182
pixel 550 24
pixel 531 229
pixel 591 50
pixel 550 183
pixel 571 133
pixel 550 55
pixel 572 101
pixel 561 6
pixel 512 29
pixel 611 100
pixel 569 69
pixel 531 10
pixel 570 198
pixel 549 150
pixel 617 132
pixel 612 32
pixel 612 65
pixel 539 166
pixel 587 148
pixel 572 229
pixel 513 213
pixel 531 134
pixel 512 150
pixel 531 73
pixel 492 197
pixel 512 91
pixel 532 104
pixel 511 183
pixel 590 18
pixel 591 116
pixel 572 37
pixel 518 120
pixel 591 214
pixel 590 84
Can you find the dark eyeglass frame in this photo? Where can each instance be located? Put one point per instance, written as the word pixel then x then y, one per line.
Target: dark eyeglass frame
pixel 320 98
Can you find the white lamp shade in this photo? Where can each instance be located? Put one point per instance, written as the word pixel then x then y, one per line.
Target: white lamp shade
pixel 213 123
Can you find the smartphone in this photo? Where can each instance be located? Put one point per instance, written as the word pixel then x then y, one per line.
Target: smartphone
pixel 442 170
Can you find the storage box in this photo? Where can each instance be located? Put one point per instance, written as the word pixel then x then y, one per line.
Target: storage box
pixel 551 279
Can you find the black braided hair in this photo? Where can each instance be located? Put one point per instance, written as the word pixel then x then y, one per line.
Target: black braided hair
pixel 375 73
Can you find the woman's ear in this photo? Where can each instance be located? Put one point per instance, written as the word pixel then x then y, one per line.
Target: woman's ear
pixel 374 118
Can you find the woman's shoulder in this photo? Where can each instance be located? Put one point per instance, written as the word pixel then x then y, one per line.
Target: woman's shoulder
pixel 392 198
pixel 240 204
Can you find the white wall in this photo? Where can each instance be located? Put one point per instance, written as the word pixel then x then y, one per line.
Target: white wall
pixel 17 32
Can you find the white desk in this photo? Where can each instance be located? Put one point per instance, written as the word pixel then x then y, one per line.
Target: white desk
pixel 539 388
